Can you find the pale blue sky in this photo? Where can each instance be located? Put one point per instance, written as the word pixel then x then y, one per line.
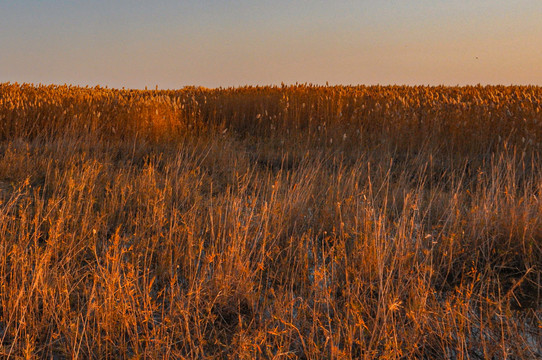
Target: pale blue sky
pixel 136 43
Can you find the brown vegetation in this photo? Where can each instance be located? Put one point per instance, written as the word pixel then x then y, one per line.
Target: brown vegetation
pixel 275 222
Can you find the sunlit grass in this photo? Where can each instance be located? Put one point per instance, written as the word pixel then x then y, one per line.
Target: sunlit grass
pixel 311 222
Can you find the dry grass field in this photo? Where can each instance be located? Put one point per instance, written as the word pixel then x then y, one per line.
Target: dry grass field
pixel 271 222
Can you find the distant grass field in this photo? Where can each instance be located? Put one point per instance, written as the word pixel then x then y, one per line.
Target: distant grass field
pixel 272 222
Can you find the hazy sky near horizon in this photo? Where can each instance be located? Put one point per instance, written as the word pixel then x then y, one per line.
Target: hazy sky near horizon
pixel 136 43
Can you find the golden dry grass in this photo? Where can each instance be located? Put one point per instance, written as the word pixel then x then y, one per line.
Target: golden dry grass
pixel 275 222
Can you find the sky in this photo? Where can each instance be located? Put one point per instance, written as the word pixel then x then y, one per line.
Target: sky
pixel 171 44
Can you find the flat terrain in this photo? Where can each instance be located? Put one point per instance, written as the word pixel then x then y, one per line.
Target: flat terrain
pixel 274 222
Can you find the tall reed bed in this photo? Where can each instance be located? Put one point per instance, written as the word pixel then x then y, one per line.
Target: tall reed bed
pixel 276 222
